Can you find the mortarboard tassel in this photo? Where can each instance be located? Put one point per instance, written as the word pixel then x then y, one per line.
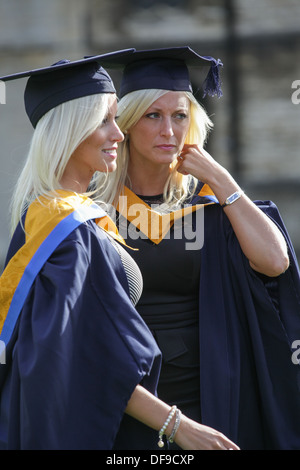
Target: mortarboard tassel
pixel 212 83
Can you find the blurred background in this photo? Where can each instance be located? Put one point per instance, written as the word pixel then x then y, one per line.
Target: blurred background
pixel 257 121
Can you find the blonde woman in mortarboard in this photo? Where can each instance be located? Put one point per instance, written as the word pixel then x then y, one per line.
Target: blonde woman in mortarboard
pixel 221 282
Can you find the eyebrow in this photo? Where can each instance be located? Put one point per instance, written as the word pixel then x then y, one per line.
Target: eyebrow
pixel 180 108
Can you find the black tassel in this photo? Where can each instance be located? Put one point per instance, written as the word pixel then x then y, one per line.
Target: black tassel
pixel 212 83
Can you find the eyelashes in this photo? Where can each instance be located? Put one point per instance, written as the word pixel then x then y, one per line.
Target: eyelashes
pixel 156 115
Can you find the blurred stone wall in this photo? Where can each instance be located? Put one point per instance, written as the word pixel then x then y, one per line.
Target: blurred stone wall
pixel 257 125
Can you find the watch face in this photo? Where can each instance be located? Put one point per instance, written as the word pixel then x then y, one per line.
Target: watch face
pixel 232 198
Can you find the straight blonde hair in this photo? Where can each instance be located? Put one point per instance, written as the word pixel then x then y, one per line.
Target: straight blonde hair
pixel 56 136
pixel 130 109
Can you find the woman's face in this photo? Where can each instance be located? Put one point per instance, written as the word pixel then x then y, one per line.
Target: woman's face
pixel 98 152
pixel 158 137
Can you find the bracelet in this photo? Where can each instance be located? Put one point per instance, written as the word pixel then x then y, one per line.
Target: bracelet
pixel 165 425
pixel 231 199
pixel 176 426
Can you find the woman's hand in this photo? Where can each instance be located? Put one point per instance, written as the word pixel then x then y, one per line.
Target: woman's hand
pixel 195 436
pixel 190 435
pixel 259 238
pixel 197 162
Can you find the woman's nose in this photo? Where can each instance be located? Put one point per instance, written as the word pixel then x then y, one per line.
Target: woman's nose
pixel 166 127
pixel 118 135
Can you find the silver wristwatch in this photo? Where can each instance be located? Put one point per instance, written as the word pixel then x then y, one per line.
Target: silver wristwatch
pixel 231 199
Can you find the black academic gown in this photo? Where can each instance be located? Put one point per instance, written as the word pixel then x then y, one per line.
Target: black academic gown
pixel 77 352
pixel 248 324
pixel 248 327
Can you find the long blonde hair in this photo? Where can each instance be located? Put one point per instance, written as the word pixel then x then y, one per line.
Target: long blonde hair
pixel 130 109
pixel 57 134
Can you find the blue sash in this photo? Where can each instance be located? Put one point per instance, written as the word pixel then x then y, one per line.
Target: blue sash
pixel 56 236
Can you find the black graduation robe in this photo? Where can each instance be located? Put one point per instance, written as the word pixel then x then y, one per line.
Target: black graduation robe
pixel 250 386
pixel 77 352
pixel 249 325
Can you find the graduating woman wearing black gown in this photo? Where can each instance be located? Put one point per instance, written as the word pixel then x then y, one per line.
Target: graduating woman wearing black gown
pixel 221 281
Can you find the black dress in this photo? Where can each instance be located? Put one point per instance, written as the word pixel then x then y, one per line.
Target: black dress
pixel 169 306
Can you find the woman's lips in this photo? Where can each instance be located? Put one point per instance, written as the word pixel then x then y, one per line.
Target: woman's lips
pixel 166 147
pixel 111 152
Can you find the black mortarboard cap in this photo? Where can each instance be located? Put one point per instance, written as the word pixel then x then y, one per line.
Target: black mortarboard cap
pixel 166 69
pixel 64 81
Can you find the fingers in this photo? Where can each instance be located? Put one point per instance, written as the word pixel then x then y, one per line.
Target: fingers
pixel 197 162
pixel 221 445
pixel 195 436
pixel 187 147
pixel 218 441
pixel 180 160
pixel 186 163
pixel 189 153
pixel 227 444
pixel 195 151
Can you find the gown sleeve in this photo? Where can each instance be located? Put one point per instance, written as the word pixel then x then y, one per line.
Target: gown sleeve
pixel 250 385
pixel 81 349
